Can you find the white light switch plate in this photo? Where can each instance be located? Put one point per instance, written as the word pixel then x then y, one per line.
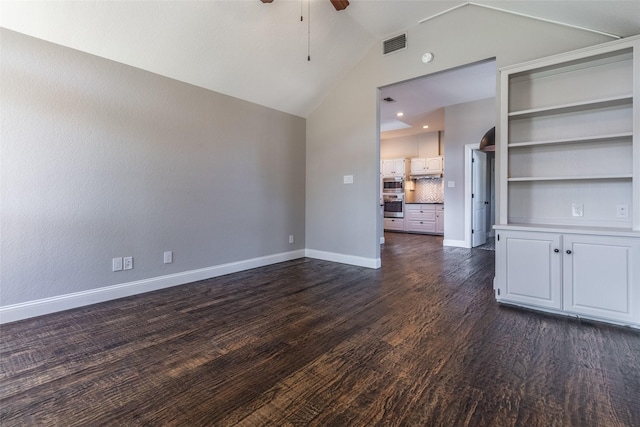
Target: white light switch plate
pixel 348 179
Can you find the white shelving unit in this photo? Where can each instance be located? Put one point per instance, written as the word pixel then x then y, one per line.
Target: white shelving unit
pixel 568 136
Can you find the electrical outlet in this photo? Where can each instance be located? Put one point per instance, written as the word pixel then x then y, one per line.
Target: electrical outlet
pixel 291 238
pixel 116 264
pixel 622 211
pixel 128 262
pixel 577 209
pixel 168 257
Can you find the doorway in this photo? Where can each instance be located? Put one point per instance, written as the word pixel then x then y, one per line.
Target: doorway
pixel 412 110
pixel 479 196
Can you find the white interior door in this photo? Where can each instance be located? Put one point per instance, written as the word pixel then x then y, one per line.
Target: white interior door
pixel 479 198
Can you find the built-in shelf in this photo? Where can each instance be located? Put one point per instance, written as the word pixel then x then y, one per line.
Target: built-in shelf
pixel 568 238
pixel 574 106
pixel 596 138
pixel 571 178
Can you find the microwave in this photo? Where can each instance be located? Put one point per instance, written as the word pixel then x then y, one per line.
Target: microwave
pixel 393 185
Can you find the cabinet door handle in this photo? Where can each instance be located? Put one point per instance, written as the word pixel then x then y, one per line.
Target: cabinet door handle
pixel 556 250
pixel 568 252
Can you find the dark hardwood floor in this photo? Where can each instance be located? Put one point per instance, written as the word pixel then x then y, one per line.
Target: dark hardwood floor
pixel 420 342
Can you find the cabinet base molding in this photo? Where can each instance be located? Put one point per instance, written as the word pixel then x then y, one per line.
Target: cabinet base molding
pixel 559 313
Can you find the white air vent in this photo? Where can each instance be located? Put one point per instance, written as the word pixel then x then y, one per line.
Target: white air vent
pixel 394 43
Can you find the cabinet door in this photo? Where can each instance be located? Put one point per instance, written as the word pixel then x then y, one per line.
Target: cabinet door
pixel 440 219
pixel 387 168
pixel 395 224
pixel 601 277
pixel 434 164
pixel 418 165
pixel 528 268
pixel 399 167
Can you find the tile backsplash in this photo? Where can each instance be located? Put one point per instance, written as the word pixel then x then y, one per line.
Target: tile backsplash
pixel 429 190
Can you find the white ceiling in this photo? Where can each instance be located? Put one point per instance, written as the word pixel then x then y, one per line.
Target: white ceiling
pixel 256 51
pixel 422 100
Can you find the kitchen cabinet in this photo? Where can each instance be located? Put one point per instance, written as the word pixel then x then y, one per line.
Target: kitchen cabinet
pixel 586 275
pixel 423 218
pixel 568 218
pixel 426 166
pixel 393 167
pixel 394 224
pixel 439 219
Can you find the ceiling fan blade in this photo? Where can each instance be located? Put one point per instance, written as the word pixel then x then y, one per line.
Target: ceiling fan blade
pixel 339 4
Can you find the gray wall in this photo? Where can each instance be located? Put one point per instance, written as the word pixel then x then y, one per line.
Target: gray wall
pixel 101 160
pixel 464 124
pixel 342 132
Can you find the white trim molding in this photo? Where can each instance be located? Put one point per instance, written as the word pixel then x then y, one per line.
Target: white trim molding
pixel 455 243
pixel 344 259
pixel 15 312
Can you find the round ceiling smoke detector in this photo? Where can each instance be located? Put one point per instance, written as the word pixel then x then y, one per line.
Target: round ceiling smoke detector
pixel 427 57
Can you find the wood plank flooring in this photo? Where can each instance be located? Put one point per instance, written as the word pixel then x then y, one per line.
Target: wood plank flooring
pixel 420 342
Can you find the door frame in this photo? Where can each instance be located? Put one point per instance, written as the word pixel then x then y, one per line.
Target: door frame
pixel 468 189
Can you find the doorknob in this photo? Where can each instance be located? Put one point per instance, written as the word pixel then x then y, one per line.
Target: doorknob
pixel 568 252
pixel 556 250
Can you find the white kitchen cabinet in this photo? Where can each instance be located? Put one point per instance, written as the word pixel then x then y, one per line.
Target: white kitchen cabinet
pixel 394 224
pixel 440 219
pixel 424 218
pixel 427 166
pixel 569 180
pixel 587 275
pixel 393 167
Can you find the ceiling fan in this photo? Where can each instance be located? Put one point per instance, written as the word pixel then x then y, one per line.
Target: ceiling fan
pixel 338 4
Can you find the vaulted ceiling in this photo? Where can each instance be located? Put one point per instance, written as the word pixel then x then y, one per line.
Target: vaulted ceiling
pixel 259 51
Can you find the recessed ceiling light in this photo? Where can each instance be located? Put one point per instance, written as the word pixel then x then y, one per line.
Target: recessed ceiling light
pixel 425 127
pixel 400 114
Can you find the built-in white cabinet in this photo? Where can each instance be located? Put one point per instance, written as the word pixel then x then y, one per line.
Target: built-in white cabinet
pixel 601 277
pixel 394 224
pixel 393 167
pixel 586 275
pixel 569 183
pixel 528 268
pixel 427 166
pixel 424 218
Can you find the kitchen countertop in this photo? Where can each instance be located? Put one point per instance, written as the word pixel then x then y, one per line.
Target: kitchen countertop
pixel 422 203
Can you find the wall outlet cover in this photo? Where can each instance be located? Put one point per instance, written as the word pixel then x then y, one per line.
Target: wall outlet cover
pixel 168 257
pixel 128 263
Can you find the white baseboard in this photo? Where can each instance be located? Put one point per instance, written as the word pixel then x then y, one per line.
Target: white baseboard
pixel 344 259
pixel 12 313
pixel 455 243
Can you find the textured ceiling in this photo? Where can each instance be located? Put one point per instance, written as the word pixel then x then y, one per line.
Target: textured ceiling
pixel 258 52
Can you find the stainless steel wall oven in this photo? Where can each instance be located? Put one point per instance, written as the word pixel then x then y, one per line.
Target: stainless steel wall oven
pixel 393 205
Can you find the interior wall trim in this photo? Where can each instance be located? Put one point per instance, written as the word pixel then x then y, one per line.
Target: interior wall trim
pixel 344 259
pixel 455 243
pixel 15 312
pixel 524 15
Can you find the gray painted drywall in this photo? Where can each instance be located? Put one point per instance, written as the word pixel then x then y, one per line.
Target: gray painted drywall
pixel 102 160
pixel 464 124
pixel 342 132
